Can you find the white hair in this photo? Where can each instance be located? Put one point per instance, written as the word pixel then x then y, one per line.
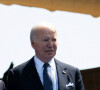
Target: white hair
pixel 38 26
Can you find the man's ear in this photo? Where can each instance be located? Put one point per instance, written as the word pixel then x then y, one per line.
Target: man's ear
pixel 32 44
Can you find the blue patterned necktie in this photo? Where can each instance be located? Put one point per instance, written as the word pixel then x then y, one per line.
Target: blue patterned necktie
pixel 47 82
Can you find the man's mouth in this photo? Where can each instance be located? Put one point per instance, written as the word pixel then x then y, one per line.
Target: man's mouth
pixel 49 51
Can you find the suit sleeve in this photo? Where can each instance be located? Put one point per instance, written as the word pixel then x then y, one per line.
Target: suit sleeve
pixel 79 81
pixel 2 85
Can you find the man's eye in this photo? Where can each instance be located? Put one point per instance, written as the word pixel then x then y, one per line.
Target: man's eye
pixel 45 40
pixel 54 39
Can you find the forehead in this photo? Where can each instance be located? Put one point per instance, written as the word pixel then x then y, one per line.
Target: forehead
pixel 46 31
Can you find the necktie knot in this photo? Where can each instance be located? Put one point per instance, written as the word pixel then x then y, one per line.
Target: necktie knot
pixel 46 65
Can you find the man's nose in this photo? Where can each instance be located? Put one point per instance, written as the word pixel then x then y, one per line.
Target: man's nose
pixel 50 44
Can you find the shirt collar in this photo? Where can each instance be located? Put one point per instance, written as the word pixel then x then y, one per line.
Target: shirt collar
pixel 40 64
pixel 52 63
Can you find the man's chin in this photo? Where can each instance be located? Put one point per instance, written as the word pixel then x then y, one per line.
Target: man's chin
pixel 50 56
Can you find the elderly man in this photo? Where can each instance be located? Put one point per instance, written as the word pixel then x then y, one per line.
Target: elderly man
pixel 2 85
pixel 43 71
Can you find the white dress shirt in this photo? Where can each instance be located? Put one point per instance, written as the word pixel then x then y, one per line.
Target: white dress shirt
pixel 51 70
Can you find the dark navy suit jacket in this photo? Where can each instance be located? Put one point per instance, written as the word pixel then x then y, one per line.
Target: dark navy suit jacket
pixel 25 77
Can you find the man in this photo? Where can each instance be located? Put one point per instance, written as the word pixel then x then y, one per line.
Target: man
pixel 2 85
pixel 31 74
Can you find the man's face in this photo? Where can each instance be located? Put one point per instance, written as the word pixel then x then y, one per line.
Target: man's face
pixel 46 44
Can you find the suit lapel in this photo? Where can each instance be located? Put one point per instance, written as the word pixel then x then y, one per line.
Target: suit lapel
pixel 32 77
pixel 63 76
